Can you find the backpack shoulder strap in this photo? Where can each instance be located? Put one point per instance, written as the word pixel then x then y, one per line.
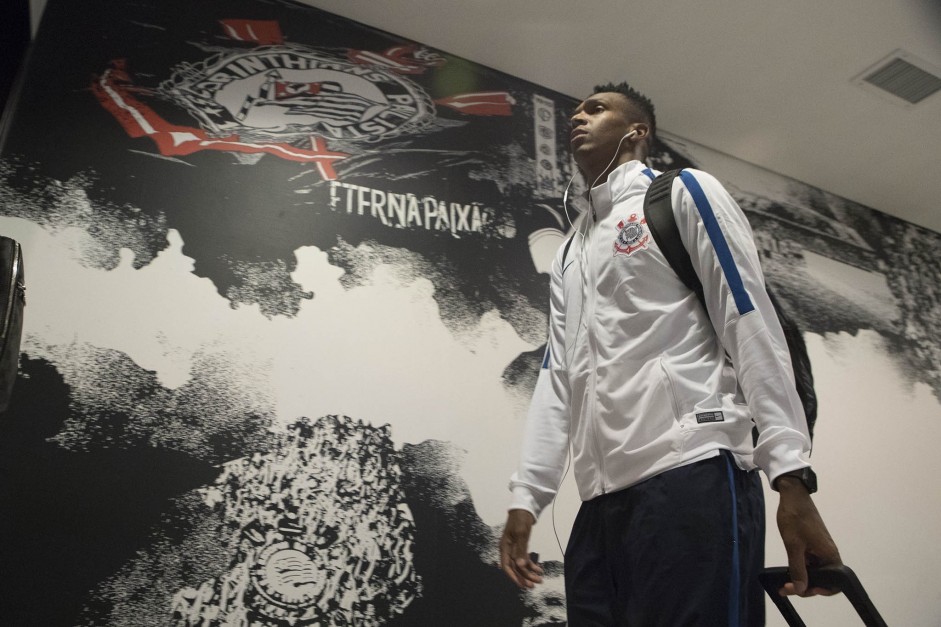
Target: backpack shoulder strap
pixel 658 211
pixel 661 221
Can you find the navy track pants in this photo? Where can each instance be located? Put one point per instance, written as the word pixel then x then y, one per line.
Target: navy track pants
pixel 681 549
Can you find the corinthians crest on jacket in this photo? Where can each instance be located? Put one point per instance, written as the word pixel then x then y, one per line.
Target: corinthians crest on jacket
pixel 632 235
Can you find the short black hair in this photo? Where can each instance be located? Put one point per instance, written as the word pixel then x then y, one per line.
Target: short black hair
pixel 641 102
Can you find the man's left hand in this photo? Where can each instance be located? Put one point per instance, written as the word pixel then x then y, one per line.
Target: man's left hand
pixel 806 539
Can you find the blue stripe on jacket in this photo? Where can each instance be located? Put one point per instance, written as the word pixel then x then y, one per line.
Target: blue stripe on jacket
pixel 742 300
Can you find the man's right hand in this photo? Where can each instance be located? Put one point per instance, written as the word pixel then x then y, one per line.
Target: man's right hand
pixel 514 545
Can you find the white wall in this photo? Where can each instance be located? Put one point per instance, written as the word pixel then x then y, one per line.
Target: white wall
pixel 880 480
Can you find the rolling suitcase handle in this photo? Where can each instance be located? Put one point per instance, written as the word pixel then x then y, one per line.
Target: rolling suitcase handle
pixel 840 578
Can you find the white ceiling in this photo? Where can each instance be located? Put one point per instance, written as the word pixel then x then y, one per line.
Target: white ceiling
pixel 768 81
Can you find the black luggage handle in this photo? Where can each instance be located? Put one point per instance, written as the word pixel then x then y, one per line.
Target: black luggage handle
pixel 839 577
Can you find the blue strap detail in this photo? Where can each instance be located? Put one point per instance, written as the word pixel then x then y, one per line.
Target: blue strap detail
pixel 723 252
pixel 650 174
pixel 735 582
pixel 545 360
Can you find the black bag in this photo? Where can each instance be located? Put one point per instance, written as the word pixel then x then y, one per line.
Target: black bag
pixel 658 211
pixel 12 301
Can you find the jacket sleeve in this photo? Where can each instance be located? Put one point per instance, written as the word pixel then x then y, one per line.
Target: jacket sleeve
pixel 545 436
pixel 722 249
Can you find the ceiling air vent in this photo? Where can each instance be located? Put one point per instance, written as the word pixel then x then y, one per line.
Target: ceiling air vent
pixel 903 75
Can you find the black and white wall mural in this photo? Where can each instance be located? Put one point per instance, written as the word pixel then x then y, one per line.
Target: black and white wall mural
pixel 286 301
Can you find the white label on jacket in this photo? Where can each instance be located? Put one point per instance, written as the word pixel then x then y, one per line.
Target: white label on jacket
pixel 710 416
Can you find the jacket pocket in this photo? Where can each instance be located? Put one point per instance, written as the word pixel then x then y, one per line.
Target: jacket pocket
pixel 669 384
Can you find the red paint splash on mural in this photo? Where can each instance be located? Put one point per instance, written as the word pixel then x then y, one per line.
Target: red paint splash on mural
pixel 481 103
pixel 114 90
pixel 408 59
pixel 261 32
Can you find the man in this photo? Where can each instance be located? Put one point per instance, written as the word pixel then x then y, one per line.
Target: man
pixel 657 398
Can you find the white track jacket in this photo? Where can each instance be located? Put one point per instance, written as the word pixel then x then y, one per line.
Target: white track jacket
pixel 636 377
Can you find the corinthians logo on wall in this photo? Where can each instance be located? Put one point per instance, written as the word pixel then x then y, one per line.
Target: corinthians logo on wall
pixel 281 99
pixel 285 91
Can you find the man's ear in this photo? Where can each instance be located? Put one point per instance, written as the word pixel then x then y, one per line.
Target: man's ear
pixel 641 128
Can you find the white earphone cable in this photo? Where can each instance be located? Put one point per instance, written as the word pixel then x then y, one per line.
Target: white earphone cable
pixel 585 235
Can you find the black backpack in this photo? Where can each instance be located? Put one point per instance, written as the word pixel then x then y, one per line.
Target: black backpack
pixel 658 211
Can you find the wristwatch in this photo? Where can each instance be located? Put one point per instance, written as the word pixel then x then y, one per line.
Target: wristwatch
pixel 805 475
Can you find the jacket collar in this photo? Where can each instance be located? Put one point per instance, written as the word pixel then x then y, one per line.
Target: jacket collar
pixel 625 180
